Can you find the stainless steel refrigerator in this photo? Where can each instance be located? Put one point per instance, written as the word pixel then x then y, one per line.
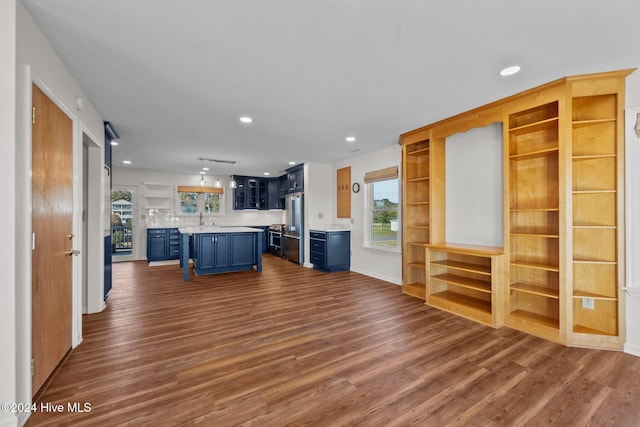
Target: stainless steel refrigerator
pixel 294 228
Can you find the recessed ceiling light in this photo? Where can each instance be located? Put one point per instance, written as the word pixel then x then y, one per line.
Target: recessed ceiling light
pixel 510 70
pixel 292 163
pixel 267 174
pixel 126 162
pixel 205 168
pixel 114 142
pixel 246 119
pixel 350 139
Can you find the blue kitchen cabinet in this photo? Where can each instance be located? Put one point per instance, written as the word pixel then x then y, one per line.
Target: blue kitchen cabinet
pixel 223 252
pixel 212 252
pixel 275 199
pixel 295 178
pixel 163 244
pixel 330 251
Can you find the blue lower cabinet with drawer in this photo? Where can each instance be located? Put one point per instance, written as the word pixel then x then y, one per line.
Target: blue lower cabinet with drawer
pixel 330 251
pixel 163 244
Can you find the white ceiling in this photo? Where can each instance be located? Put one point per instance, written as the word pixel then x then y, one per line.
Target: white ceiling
pixel 175 76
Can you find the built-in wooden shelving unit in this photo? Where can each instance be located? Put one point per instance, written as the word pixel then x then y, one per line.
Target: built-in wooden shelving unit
pixel 563 215
pixel 465 280
pixel 416 222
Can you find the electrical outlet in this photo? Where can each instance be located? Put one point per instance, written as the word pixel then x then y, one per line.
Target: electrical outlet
pixel 588 303
pixel 320 215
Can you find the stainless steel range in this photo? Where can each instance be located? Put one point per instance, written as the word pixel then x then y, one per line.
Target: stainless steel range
pixel 275 239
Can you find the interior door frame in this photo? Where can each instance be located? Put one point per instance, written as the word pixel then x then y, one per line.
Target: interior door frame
pixel 76 267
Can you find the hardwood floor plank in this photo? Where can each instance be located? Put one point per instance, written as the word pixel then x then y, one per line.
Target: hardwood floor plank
pixel 293 346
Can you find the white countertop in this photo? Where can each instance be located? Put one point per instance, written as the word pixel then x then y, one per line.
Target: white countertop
pixel 328 227
pixel 217 229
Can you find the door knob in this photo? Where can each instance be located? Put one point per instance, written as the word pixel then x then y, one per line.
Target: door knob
pixel 73 252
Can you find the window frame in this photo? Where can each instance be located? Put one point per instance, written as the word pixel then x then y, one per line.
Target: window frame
pixel 201 198
pixel 370 210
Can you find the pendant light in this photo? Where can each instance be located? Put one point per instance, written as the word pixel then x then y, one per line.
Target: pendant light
pixel 202 174
pixel 232 182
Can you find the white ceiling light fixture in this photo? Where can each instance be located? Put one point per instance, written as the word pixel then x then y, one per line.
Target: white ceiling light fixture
pixel 350 139
pixel 511 70
pixel 292 163
pixel 114 143
pixel 246 119
pixel 126 162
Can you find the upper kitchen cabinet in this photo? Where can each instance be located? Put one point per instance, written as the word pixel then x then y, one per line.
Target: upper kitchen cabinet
pixel 253 193
pixel 295 177
pixel 275 200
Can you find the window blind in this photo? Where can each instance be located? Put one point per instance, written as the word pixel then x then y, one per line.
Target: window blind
pixel 195 189
pixel 381 174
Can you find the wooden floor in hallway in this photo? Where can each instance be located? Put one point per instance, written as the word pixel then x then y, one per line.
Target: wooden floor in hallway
pixel 295 347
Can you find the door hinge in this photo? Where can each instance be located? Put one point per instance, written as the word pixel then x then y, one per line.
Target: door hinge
pixel 33 367
pixel 33 116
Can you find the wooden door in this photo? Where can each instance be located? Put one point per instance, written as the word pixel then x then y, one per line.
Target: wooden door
pixel 52 201
pixel 344 192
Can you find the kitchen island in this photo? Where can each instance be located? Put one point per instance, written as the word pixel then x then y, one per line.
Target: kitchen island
pixel 221 249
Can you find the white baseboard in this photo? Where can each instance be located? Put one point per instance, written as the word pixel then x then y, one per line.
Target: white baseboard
pixel 7 419
pixel 633 349
pixel 377 276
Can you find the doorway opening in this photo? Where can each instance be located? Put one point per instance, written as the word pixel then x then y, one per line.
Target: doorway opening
pixel 123 242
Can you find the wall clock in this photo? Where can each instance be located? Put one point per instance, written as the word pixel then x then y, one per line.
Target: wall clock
pixel 355 187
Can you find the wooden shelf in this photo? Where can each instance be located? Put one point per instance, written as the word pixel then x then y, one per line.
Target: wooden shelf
pixel 462 300
pixel 535 127
pixel 580 295
pixel 533 154
pixel 464 266
pixel 592 261
pixel 535 290
pixel 534 210
pixel 418 152
pixel 419 226
pixel 577 123
pixel 416 264
pixel 546 321
pixel 535 265
pixel 544 235
pixel 594 156
pixel 580 329
pixel 419 179
pixel 465 282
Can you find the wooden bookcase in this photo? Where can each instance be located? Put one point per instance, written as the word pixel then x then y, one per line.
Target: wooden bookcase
pixel 416 217
pixel 597 213
pixel 563 214
pixel 465 280
pixel 533 220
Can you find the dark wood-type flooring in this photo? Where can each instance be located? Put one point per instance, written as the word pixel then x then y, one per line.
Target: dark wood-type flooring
pixel 294 347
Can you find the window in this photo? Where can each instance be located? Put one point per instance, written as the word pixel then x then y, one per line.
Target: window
pixel 382 209
pixel 195 200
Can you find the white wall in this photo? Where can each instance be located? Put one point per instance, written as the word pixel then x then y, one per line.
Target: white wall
pixel 474 180
pixel 372 262
pixel 8 392
pixel 36 59
pixel 632 172
pixel 135 178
